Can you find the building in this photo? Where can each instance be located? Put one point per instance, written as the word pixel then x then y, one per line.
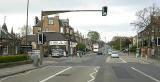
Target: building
pixel 135 40
pixel 148 36
pixel 9 42
pixel 56 30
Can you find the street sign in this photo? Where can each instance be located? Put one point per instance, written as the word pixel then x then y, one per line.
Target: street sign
pixel 58 43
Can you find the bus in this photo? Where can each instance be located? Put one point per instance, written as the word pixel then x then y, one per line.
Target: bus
pixel 95 48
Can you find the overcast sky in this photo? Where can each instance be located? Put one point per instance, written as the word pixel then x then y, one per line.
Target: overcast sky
pixel 120 14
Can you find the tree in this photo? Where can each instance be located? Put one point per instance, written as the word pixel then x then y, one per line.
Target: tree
pixel 118 41
pixel 94 36
pixel 81 47
pixel 23 30
pixel 146 17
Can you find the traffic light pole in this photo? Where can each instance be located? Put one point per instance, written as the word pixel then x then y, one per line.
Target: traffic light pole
pixel 46 13
pixel 41 53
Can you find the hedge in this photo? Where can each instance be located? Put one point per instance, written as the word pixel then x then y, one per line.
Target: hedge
pixel 13 58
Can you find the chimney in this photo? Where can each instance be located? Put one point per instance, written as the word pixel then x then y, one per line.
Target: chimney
pixel 36 20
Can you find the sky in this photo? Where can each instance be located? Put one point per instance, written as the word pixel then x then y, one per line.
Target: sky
pixel 117 22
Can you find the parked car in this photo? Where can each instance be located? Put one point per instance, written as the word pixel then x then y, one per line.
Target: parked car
pixel 46 54
pixel 114 54
pixel 56 53
pixel 80 53
pixel 109 52
pixel 99 53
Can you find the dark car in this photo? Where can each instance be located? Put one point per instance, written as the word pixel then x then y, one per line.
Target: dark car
pixel 99 53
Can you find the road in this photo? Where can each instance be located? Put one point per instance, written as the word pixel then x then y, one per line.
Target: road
pixel 92 68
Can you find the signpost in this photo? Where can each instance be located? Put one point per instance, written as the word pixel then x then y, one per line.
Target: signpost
pixel 58 43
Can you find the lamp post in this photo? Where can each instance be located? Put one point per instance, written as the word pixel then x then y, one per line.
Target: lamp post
pixel 27 22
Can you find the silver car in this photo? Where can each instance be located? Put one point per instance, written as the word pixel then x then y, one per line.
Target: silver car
pixel 115 54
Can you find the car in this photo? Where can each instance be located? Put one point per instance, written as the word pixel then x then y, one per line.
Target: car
pixel 79 53
pixel 46 54
pixel 114 54
pixel 56 53
pixel 99 53
pixel 109 52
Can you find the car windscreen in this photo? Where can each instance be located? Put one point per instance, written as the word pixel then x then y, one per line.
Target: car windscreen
pixel 55 51
pixel 114 52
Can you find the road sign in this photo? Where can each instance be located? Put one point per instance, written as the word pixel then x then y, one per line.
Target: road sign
pixel 58 43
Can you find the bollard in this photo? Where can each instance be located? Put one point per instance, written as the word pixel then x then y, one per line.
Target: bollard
pixel 36 61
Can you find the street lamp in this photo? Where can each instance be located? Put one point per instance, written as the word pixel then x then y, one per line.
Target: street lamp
pixel 27 22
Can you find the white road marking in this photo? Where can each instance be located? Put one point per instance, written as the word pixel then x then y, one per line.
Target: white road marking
pixel 93 78
pixel 123 60
pixel 19 74
pixel 142 61
pixel 44 80
pixel 145 74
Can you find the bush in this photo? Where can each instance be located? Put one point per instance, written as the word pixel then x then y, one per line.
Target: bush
pixel 13 58
pixel 133 48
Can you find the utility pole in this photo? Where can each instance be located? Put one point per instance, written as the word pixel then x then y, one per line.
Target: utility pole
pixel 27 24
pixel 120 43
pixel 69 48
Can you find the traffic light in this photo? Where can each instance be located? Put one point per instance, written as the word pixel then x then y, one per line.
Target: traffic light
pixel 104 10
pixel 40 38
pixel 44 38
pixel 158 41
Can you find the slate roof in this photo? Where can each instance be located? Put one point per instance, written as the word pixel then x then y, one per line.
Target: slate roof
pixel 64 22
pixel 38 24
pixel 50 36
pixel 5 34
pixel 4 27
pixel 32 38
pixel 54 36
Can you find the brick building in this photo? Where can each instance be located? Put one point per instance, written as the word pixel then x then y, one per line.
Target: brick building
pixel 148 36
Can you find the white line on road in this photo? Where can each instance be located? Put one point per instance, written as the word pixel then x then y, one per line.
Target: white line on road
pixel 145 74
pixel 123 60
pixel 44 80
pixel 93 73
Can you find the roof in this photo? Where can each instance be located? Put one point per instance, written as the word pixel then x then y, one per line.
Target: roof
pixel 50 36
pixel 54 36
pixel 4 27
pixel 32 38
pixel 38 24
pixel 64 22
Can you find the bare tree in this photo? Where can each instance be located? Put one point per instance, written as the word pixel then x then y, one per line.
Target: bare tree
pixel 146 17
pixel 23 30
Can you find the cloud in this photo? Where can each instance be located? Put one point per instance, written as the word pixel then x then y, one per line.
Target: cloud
pixel 120 14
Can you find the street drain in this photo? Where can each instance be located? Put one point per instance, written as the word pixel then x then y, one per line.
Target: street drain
pixel 64 75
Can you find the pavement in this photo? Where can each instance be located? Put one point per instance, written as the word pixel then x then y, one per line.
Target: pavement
pixel 94 68
pixel 4 72
pixel 144 59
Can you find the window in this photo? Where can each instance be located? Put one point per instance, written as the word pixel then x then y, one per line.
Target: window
pixel 50 21
pixel 46 29
pixel 67 30
pixel 39 29
pixel 61 30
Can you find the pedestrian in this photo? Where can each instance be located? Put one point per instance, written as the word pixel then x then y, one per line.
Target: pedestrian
pixel 148 53
pixel 64 53
pixel 141 53
pixel 153 52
